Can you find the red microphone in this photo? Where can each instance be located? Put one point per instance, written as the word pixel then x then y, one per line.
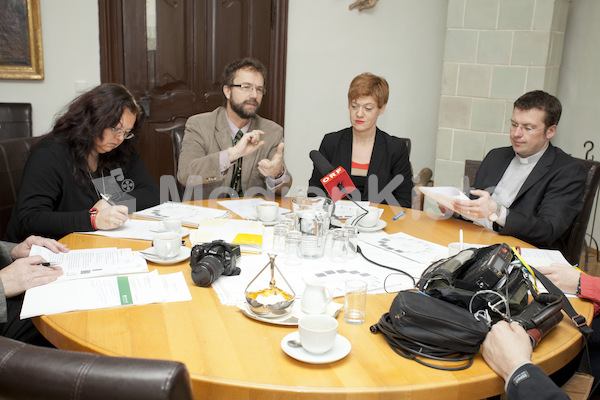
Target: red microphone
pixel 336 181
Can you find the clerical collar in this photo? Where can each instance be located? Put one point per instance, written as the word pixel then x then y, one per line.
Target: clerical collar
pixel 532 159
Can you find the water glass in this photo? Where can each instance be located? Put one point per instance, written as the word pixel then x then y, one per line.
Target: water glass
pixel 288 220
pixel 352 241
pixel 314 225
pixel 279 232
pixel 292 247
pixel 355 301
pixel 339 246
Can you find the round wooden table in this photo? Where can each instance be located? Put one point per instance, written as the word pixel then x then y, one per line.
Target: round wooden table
pixel 230 356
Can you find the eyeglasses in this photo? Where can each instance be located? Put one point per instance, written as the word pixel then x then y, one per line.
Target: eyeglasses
pixel 249 88
pixel 120 133
pixel 525 128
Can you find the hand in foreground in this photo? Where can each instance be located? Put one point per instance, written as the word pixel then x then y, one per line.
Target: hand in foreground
pixel 565 277
pixel 274 166
pixel 506 346
pixel 26 273
pixel 479 208
pixel 111 217
pixel 22 249
pixel 249 143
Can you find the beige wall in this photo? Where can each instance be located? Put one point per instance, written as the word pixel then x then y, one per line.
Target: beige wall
pixel 71 61
pixel 579 85
pixel 328 45
pixel 494 52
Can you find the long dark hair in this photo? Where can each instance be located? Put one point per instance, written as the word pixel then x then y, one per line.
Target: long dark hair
pixel 87 117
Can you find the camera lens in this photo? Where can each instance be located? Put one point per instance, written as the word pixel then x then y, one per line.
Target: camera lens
pixel 208 270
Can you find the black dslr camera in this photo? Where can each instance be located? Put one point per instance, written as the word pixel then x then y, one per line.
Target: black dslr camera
pixel 211 260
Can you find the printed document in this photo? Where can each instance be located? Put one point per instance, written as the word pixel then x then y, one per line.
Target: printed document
pixel 246 208
pixel 104 292
pixel 87 263
pixel 190 215
pixel 444 195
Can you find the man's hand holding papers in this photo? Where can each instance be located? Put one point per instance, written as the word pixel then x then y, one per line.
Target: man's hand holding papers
pixel 22 249
pixel 444 196
pixel 26 273
pixel 93 262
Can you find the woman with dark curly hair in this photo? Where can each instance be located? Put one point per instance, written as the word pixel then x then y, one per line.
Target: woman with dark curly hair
pixel 84 174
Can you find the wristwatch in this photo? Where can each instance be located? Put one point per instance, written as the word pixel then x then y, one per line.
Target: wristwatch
pixel 493 217
pixel 93 213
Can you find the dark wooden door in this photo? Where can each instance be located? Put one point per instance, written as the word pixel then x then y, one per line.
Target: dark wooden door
pixel 170 54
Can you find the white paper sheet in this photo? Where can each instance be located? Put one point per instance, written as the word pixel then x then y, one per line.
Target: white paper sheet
pixel 443 195
pixel 541 257
pixel 246 208
pixel 231 289
pixel 85 263
pixel 345 209
pixel 132 229
pixel 104 292
pixel 190 215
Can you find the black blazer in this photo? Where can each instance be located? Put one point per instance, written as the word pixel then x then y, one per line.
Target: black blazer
pixel 389 160
pixel 548 201
pixel 530 382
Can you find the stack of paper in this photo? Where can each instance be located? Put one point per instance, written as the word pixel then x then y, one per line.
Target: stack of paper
pixel 190 215
pixel 93 262
pixel 104 292
pixel 248 234
pixel 444 195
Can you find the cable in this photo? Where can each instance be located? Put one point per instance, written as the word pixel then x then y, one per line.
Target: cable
pixel 359 251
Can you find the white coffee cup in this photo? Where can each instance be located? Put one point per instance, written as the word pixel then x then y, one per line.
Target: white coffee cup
pixel 172 224
pixel 370 219
pixel 317 332
pixel 167 244
pixel 267 211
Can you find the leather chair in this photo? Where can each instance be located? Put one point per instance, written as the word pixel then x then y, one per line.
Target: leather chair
pixel 32 372
pixel 577 231
pixel 15 120
pixel 471 168
pixel 13 155
pixel 177 138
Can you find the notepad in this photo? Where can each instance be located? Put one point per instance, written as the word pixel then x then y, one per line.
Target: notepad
pixel 247 234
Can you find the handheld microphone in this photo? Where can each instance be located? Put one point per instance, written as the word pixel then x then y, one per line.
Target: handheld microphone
pixel 336 181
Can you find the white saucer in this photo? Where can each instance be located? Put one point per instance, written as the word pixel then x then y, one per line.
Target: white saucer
pixel 270 223
pixel 291 318
pixel 377 227
pixel 340 349
pixel 184 254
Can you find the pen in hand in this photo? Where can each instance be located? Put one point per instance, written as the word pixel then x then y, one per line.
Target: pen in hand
pixel 107 199
pixel 48 264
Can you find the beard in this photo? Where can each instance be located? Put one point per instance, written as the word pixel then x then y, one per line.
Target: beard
pixel 239 109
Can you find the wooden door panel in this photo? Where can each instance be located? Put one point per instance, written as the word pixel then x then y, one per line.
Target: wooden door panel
pixel 178 74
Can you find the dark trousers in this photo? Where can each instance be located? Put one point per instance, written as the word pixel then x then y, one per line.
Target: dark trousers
pixel 561 376
pixel 22 330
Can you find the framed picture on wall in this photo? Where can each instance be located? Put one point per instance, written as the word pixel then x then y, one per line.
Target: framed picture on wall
pixel 21 40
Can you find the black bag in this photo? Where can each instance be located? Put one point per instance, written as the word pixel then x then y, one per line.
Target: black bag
pixel 472 278
pixel 462 296
pixel 421 326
